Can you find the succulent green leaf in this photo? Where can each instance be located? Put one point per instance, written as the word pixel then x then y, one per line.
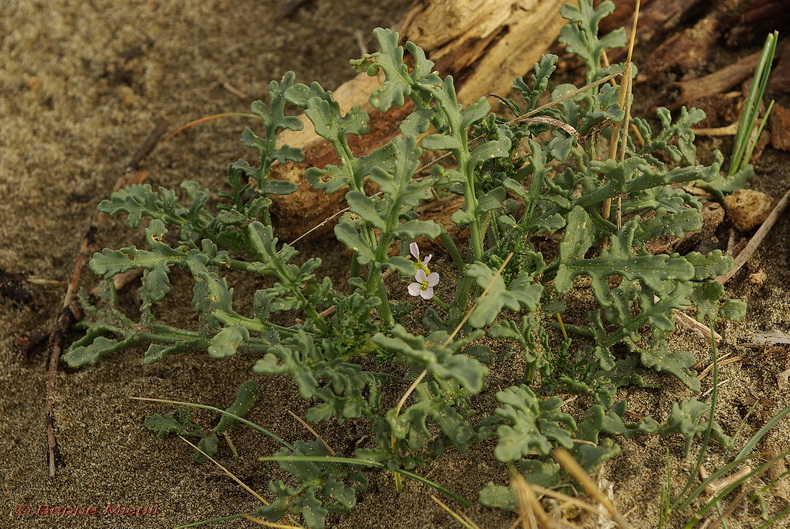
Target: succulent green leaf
pixel 461 217
pixel 689 418
pixel 245 399
pixel 650 270
pixel 733 309
pixel 227 341
pixel 534 426
pixel 492 200
pixel 157 352
pixel 475 112
pixel 279 187
pixel 440 142
pixel 522 292
pixel 709 265
pixel 354 241
pixel 365 207
pixel 330 125
pixel 499 148
pixel 401 265
pixel 677 363
pixel 209 445
pixel 581 36
pixel 439 360
pixel 434 402
pixel 399 83
pixel 498 497
pixel 163 425
pixel 90 354
pixel 614 424
pixel 411 229
pixel 706 298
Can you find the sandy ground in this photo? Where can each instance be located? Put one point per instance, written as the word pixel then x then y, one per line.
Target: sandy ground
pixel 67 129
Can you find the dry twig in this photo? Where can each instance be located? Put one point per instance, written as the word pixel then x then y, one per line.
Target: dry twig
pixel 716 82
pixel 67 315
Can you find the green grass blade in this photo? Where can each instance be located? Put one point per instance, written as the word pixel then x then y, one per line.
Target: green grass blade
pixel 761 432
pixel 751 109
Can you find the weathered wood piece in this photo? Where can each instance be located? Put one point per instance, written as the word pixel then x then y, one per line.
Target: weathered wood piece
pixel 483 44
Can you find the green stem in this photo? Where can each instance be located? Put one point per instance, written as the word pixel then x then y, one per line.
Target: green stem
pixel 376 285
pixel 461 299
pixel 442 305
pixel 226 413
pixel 255 325
pixel 580 330
pixel 452 249
pixel 470 199
pixel 287 280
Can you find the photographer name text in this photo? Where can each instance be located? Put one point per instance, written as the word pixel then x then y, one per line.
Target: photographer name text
pixel 77 510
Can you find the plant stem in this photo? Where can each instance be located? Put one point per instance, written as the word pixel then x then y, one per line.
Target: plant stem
pixel 452 249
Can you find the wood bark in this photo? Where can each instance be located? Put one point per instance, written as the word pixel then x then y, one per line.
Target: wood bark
pixel 483 44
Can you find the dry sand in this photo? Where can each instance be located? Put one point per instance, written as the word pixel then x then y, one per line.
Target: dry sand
pixel 67 128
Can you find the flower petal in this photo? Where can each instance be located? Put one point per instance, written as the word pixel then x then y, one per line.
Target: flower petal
pixel 414 250
pixel 415 289
pixel 420 276
pixel 427 293
pixel 432 279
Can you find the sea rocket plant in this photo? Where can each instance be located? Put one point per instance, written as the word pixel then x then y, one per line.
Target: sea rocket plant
pixel 558 188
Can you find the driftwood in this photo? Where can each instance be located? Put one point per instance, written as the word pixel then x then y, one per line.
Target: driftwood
pixel 717 82
pixel 483 44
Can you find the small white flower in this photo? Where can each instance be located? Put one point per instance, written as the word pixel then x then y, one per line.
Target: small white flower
pixel 424 284
pixel 421 265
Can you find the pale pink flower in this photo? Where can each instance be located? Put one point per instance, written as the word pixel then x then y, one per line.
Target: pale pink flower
pixel 424 284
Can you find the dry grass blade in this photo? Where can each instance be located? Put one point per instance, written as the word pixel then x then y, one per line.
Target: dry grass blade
pixel 181 129
pixel 312 431
pixel 461 517
pixel 528 505
pixel 235 91
pixel 739 499
pixel 577 472
pixel 576 502
pixel 721 363
pixel 228 472
pixel 719 485
pixel 268 524
pixel 755 242
pixel 729 130
pixel 689 322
